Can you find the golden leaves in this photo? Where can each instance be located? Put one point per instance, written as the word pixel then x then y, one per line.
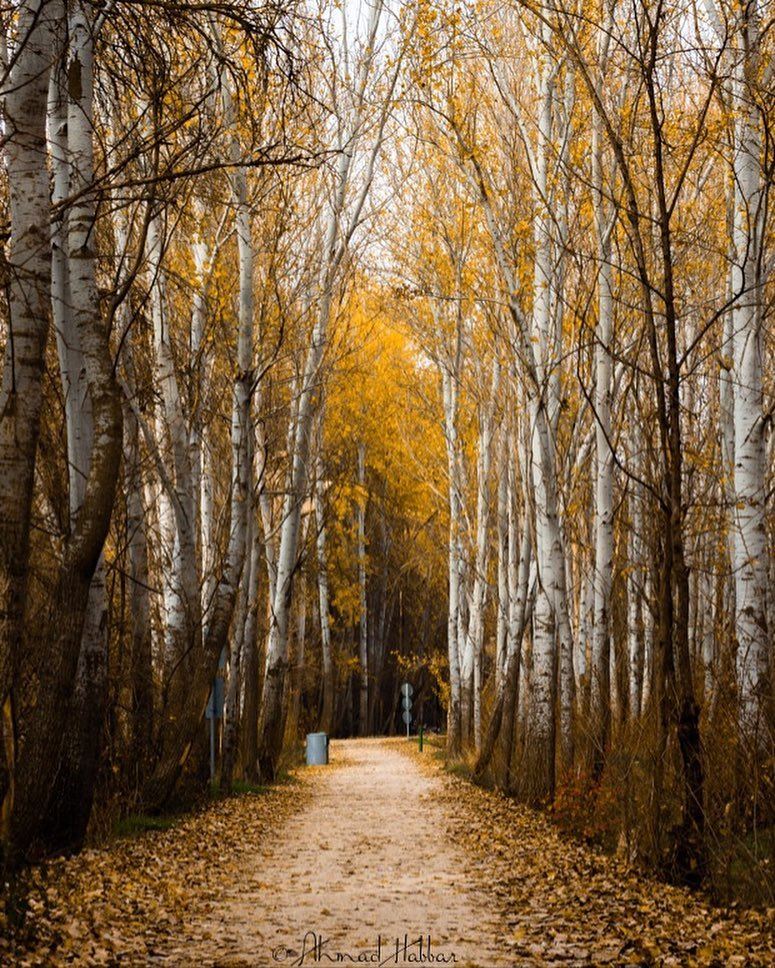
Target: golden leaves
pixel 136 898
pixel 566 904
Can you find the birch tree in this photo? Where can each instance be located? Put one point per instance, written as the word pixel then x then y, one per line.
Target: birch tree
pixel 57 637
pixel 751 559
pixel 343 218
pixel 321 541
pixel 24 101
pixel 604 531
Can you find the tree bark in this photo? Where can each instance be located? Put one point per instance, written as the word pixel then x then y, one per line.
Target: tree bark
pixel 454 712
pixel 363 640
pixel 751 550
pixel 28 284
pixel 141 661
pixel 499 740
pixel 600 683
pixel 76 773
pixel 327 706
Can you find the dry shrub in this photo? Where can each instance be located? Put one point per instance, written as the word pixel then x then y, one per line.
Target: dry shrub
pixel 634 807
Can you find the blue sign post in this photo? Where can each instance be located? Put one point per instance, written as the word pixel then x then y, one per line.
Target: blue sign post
pixel 406 701
pixel 214 710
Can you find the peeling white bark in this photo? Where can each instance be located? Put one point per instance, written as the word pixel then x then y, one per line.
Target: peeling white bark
pixel 450 403
pixel 327 706
pixel 751 552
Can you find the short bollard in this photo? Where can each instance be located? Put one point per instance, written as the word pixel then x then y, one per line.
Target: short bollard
pixel 420 737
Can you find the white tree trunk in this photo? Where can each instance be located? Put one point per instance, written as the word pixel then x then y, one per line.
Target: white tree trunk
pixel 29 307
pixel 241 517
pixel 141 664
pixel 727 441
pixel 450 399
pixel 70 134
pixel 649 632
pixel 231 720
pixel 635 651
pixel 475 638
pixel 519 574
pixel 541 725
pixel 79 387
pixel 67 787
pixel 708 640
pixel 602 651
pixel 586 624
pixel 751 553
pixel 327 706
pixel 182 610
pixel 251 664
pixel 267 522
pixel 549 541
pixel 540 738
pixel 505 534
pixel 200 457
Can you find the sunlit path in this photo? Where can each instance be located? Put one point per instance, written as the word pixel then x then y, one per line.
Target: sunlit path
pixel 369 862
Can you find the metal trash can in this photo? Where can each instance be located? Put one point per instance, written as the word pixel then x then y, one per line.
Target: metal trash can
pixel 317 749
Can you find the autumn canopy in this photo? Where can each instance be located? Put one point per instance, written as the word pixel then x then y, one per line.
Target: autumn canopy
pixel 353 344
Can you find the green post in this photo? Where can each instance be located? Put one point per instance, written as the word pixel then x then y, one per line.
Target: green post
pixel 420 735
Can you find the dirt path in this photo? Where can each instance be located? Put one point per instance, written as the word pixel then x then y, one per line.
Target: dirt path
pixel 381 845
pixel 368 862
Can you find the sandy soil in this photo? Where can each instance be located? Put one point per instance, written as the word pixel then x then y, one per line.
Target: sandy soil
pixel 368 858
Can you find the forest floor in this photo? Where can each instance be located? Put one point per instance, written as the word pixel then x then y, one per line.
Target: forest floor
pixel 358 861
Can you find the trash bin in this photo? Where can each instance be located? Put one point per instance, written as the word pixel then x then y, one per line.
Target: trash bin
pixel 317 749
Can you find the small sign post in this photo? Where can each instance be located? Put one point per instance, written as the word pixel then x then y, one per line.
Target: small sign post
pixel 214 710
pixel 406 702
